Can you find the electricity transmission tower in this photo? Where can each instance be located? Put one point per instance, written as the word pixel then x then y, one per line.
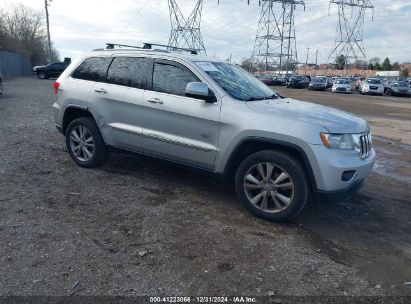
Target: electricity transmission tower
pixel 185 32
pixel 275 45
pixel 349 39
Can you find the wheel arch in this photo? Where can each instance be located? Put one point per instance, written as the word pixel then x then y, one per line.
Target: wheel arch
pixel 250 145
pixel 72 112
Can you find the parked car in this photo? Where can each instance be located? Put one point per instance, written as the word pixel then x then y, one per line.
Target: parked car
pixel 358 83
pixel 397 88
pixel 264 79
pixel 277 80
pixel 329 82
pixel 52 70
pixel 283 80
pixel 372 86
pixel 36 67
pixel 1 84
pixel 297 81
pixel 212 115
pixel 318 83
pixel 341 85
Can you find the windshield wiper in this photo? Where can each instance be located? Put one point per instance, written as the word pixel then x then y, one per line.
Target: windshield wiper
pixel 274 96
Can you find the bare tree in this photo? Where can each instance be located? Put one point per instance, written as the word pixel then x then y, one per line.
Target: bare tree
pixel 22 31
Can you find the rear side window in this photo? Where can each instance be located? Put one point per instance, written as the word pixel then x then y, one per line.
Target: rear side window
pixel 171 79
pixel 93 69
pixel 128 71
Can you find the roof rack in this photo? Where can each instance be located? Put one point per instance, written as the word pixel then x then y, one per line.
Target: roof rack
pixel 149 46
pixel 110 46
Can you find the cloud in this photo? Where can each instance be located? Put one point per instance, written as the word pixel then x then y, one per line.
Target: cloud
pixel 228 29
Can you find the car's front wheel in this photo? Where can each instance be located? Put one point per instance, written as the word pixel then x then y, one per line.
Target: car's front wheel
pixel 42 75
pixel 85 143
pixel 272 185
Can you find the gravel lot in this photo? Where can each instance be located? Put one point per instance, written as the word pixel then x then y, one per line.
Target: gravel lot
pixel 142 227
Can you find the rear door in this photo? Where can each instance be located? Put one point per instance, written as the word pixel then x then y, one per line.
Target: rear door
pixel 177 127
pixel 119 101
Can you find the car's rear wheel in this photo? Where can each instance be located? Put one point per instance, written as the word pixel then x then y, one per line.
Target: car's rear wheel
pixel 272 185
pixel 85 143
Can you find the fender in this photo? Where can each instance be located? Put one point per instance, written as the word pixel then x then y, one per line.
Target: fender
pixel 297 149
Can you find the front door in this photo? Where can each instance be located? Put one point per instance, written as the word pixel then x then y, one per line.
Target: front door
pixel 177 127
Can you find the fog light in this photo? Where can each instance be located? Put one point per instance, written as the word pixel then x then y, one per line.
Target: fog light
pixel 348 175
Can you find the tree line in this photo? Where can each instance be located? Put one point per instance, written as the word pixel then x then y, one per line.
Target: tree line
pixel 22 31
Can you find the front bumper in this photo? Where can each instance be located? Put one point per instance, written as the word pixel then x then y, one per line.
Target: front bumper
pixel 398 93
pixel 336 165
pixel 371 91
pixel 339 195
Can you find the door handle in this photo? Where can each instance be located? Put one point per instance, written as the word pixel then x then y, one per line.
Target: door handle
pixel 155 100
pixel 101 90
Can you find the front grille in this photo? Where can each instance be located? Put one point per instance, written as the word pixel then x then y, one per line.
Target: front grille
pixel 341 89
pixel 373 88
pixel 365 145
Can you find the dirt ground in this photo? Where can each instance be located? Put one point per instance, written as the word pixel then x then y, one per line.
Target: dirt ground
pixel 142 227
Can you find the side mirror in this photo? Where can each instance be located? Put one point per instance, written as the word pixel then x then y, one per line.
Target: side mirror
pixel 199 90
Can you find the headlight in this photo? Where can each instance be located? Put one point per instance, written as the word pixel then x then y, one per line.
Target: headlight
pixel 340 141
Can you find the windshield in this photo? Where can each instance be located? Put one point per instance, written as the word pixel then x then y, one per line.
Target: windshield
pixel 373 81
pixel 400 84
pixel 343 81
pixel 318 79
pixel 236 82
pixel 296 78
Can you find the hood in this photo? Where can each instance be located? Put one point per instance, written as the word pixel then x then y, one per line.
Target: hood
pixel 342 85
pixel 335 121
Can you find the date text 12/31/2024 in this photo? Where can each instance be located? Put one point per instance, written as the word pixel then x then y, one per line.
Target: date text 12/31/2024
pixel 202 299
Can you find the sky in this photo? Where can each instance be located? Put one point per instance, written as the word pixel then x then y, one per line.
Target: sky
pixel 228 29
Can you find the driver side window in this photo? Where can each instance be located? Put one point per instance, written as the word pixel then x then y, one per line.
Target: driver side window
pixel 171 79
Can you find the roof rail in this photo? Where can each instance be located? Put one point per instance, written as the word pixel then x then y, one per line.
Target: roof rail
pixel 110 46
pixel 149 46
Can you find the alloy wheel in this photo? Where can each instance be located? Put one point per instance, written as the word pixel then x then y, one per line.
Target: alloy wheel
pixel 268 187
pixel 82 143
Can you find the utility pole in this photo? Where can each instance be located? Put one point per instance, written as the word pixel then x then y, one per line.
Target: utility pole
pixel 306 61
pixel 316 62
pixel 46 5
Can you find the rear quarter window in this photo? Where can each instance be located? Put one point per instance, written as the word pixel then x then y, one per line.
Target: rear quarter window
pixel 93 69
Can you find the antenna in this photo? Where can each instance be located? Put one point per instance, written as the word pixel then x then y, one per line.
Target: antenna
pixel 275 45
pixel 185 33
pixel 350 27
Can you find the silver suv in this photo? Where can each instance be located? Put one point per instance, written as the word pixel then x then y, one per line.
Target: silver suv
pixel 212 115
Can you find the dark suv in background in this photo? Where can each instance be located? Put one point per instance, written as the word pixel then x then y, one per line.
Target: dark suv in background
pixel 52 70
pixel 297 81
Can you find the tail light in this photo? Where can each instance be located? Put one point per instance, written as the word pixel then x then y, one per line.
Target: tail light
pixel 56 87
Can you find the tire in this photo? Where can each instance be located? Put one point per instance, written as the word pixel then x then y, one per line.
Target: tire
pixel 42 75
pixel 389 92
pixel 86 128
pixel 1 88
pixel 287 195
